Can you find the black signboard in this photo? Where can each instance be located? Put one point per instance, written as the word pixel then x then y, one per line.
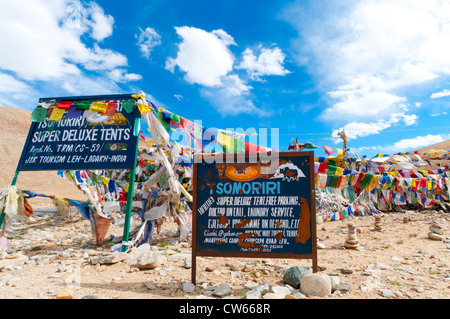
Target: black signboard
pixel 74 141
pixel 255 208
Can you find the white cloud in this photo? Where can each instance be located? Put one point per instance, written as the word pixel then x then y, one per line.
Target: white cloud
pixel 438 114
pixel 121 76
pixel 353 130
pixel 268 62
pixel 415 143
pixel 147 40
pixel 363 105
pixel 233 98
pixel 101 24
pixel 440 94
pixel 45 39
pixel 9 84
pixel 100 59
pixel 206 59
pixel 410 119
pixel 203 56
pixel 92 85
pixel 367 54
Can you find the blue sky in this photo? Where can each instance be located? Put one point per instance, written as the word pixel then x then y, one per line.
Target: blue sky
pixel 378 68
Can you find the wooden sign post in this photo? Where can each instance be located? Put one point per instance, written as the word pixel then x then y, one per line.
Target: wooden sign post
pixel 254 206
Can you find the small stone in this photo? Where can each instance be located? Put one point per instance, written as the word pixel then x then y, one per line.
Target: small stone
pixel 253 294
pixel 247 268
pixel 362 230
pixel 187 263
pixel 436 230
pixel 222 290
pixel 273 295
pixel 335 281
pixel 91 297
pixel 262 288
pixel 150 285
pixel 188 287
pixel 298 295
pixel 344 288
pixel 64 294
pixel 234 267
pixel 280 290
pixel 417 288
pixel 346 271
pixel 366 288
pixel 435 236
pixel 210 268
pixel 386 293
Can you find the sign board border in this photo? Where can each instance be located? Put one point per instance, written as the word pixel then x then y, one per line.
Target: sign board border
pixel 93 98
pixel 198 158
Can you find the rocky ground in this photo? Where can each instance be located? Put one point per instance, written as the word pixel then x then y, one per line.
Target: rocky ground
pixel 54 256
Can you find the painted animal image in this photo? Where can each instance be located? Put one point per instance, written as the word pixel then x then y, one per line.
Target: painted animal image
pixel 288 172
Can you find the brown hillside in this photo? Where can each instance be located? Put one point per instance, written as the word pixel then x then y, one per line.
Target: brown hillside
pixel 435 163
pixel 443 146
pixel 14 126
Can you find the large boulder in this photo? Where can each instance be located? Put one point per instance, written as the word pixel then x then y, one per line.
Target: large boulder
pixel 143 257
pixel 293 275
pixel 316 284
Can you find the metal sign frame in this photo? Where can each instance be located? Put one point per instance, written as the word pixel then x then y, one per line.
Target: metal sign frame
pixel 245 158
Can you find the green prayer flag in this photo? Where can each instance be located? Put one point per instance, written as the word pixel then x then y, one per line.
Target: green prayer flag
pixel 238 146
pixel 166 125
pixel 83 105
pixel 128 105
pixel 331 170
pixel 365 181
pixel 176 118
pixel 309 145
pixel 38 114
pixel 333 181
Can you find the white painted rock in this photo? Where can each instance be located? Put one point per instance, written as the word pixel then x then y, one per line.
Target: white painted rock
pixel 316 285
pixel 143 257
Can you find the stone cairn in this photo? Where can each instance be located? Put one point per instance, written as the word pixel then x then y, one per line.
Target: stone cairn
pixel 377 224
pixel 352 241
pixel 436 231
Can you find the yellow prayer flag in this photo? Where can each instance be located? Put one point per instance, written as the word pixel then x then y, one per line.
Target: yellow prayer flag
pixel 143 108
pixel 105 180
pixel 138 95
pixel 373 183
pixel 224 140
pixel 100 107
pixel 57 114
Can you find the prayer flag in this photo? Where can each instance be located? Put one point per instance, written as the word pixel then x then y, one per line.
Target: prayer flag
pixel 83 105
pixel 39 114
pixel 57 114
